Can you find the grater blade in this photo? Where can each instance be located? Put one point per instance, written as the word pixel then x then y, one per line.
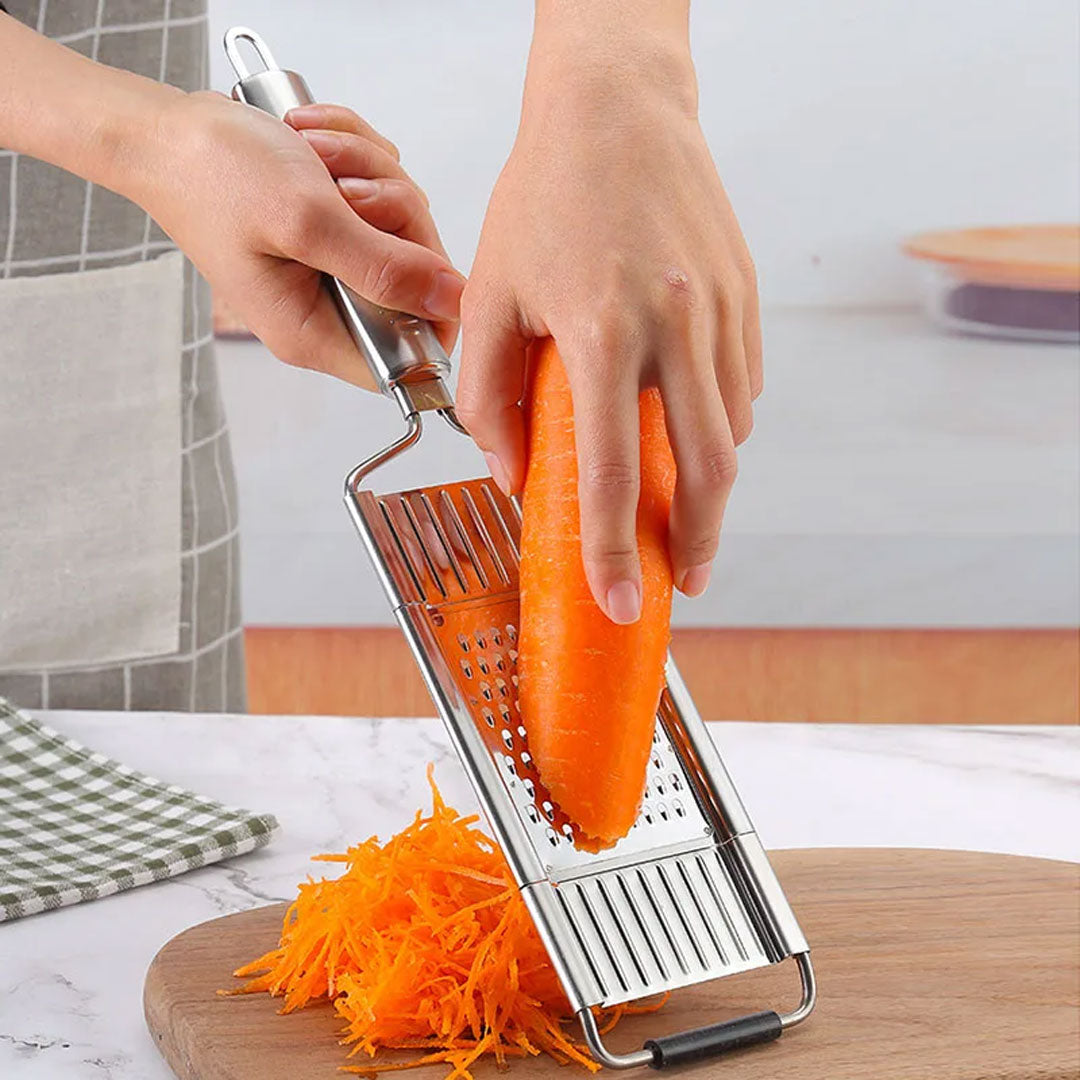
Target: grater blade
pixel 688 895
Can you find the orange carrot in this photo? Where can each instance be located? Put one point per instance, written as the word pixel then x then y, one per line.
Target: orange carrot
pixel 589 689
pixel 423 944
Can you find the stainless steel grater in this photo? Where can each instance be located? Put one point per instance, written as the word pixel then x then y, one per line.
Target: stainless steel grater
pixel 689 894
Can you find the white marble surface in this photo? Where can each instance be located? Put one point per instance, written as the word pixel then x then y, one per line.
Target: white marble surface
pixel 71 980
pixel 897 476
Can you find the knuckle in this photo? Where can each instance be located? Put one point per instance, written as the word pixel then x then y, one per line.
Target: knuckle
pixel 744 264
pixel 384 277
pixel 609 477
pixel 679 290
pixel 468 409
pixel 300 225
pixel 717 467
pixel 700 549
pixel 610 553
pixel 605 333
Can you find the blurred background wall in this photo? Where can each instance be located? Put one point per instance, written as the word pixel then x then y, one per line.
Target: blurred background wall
pixel 898 477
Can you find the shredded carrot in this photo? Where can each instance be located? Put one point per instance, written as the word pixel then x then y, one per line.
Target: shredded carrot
pixel 424 944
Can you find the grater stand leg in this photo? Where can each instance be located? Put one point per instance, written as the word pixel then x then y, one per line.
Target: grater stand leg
pixel 710 1041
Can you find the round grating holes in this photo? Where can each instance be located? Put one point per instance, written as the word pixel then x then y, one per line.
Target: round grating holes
pixel 676 781
pixel 485 689
pixel 489 717
pixel 463 641
pixel 466 667
pixel 508 739
pixel 511 632
pixel 511 768
pixel 662 810
pixel 568 831
pixel 482 664
pixel 521 731
pixel 501 686
pixel 530 788
pixel 495 638
pixel 513 656
pixel 500 663
pixel 677 806
pixel 504 712
pixel 549 810
pixel 526 759
pixel 552 837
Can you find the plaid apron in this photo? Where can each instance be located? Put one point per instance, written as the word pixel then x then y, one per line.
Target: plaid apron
pixel 166 40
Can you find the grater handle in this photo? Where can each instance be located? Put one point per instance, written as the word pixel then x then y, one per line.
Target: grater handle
pixel 402 351
pixel 697 1044
pixel 687 1046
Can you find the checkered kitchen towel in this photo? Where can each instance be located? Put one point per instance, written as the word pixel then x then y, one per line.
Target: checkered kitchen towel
pixel 75 825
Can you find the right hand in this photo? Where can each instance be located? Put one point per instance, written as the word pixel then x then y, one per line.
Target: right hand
pixel 263 210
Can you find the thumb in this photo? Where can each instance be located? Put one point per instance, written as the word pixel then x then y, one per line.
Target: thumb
pixel 383 268
pixel 492 382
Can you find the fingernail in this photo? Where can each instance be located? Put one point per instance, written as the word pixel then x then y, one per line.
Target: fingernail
pixel 300 113
pixel 696 580
pixel 498 473
pixel 323 142
pixel 356 187
pixel 624 603
pixel 444 297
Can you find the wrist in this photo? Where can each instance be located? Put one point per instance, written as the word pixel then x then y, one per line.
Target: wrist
pixel 597 52
pixel 129 142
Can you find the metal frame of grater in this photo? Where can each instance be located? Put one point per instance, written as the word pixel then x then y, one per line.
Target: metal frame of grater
pixel 689 894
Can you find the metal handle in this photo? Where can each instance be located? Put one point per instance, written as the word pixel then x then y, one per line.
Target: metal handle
pixel 697 1044
pixel 402 351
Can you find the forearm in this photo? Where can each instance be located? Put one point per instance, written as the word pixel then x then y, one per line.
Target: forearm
pixel 59 106
pixel 599 48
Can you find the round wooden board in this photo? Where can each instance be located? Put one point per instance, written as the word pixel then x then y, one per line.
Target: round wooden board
pixel 1022 256
pixel 933 965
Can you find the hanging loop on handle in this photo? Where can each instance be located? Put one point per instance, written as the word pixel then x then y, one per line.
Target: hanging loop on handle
pixel 236 34
pixel 402 351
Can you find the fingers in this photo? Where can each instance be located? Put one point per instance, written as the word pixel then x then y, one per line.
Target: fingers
pixel 393 206
pixel 705 460
pixel 751 332
pixel 345 154
pixel 732 374
pixel 492 382
pixel 326 234
pixel 605 386
pixel 337 118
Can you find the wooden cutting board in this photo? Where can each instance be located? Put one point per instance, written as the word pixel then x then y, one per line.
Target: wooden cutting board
pixel 933 965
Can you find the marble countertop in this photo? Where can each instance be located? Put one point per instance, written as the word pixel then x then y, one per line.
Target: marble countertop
pixel 71 980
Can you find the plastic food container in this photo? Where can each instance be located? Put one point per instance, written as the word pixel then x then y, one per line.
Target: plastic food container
pixel 1020 281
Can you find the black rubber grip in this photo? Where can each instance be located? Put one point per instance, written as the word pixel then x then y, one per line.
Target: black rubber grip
pixel 706 1042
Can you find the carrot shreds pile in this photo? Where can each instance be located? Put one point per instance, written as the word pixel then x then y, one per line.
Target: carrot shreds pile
pixel 424 944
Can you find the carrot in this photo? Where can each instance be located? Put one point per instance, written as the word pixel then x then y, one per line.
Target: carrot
pixel 423 944
pixel 589 689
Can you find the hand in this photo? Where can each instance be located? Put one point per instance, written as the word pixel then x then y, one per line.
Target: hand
pixel 256 208
pixel 610 231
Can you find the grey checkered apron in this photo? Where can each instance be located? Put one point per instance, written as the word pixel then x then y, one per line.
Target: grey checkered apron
pixel 53 222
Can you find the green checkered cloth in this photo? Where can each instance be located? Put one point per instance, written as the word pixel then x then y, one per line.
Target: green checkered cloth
pixel 75 825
